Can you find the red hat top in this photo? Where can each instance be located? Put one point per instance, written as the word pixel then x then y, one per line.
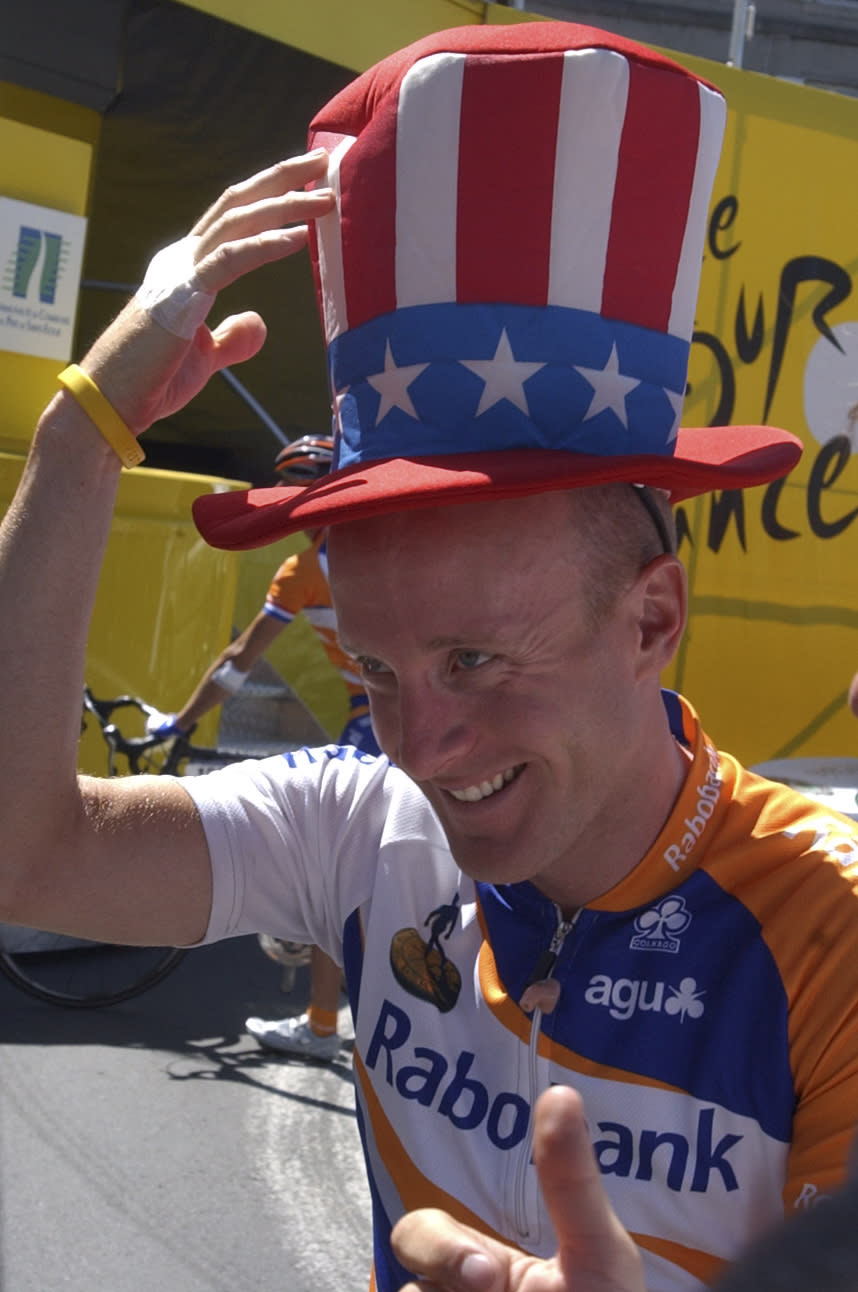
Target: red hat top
pixel 508 282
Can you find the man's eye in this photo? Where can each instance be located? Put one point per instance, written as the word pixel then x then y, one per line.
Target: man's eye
pixel 469 659
pixel 371 667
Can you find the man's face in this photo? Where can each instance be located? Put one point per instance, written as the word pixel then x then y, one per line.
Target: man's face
pixel 491 686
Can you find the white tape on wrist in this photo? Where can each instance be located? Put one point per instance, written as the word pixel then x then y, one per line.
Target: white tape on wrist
pixel 229 677
pixel 170 292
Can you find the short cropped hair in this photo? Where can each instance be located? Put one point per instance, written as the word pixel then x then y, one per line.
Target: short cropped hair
pixel 620 538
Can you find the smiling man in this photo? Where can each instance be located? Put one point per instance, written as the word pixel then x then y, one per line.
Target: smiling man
pixel 521 701
pixel 553 877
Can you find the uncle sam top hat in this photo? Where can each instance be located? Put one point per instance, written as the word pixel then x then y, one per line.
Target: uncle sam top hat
pixel 508 281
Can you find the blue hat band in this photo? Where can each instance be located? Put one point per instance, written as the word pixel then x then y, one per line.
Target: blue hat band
pixel 441 379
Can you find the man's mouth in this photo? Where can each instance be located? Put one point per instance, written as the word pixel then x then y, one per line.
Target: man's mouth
pixel 473 793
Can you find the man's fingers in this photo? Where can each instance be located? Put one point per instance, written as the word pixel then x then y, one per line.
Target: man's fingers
pixel 273 216
pixel 264 218
pixel 595 1253
pixel 446 1254
pixel 589 1234
pixel 567 1169
pixel 275 182
pixel 561 1144
pixel 261 220
pixel 229 261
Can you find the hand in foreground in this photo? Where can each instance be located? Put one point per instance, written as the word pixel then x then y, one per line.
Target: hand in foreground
pixel 595 1253
pixel 157 354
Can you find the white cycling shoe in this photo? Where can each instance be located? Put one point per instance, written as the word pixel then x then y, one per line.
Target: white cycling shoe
pixel 294 1036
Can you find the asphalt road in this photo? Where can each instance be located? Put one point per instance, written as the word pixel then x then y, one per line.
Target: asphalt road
pixel 153 1145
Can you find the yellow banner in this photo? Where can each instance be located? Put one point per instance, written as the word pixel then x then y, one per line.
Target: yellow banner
pixel 773 636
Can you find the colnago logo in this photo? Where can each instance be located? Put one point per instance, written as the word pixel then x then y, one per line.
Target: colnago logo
pixel 623 997
pixel 707 796
pixel 659 927
pixel 683 1162
pixel 424 1075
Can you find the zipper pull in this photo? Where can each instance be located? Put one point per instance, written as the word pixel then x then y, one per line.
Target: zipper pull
pixel 542 995
pixel 542 991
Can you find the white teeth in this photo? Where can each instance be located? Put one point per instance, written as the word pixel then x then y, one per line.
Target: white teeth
pixel 474 793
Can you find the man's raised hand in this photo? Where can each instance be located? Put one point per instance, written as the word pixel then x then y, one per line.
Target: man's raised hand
pixel 594 1253
pixel 159 353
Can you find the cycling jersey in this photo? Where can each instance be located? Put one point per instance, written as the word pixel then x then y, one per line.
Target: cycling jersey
pixel 301 585
pixel 706 1012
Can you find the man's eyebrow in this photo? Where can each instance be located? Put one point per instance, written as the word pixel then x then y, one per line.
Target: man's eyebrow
pixel 449 642
pixel 460 639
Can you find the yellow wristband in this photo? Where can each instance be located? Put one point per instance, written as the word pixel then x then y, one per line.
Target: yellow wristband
pixel 102 414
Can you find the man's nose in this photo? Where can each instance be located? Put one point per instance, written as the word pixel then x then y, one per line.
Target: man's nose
pixel 433 730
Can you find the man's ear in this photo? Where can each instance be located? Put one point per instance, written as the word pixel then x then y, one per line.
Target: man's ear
pixel 662 606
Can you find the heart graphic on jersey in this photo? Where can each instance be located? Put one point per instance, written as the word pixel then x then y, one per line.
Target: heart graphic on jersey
pixel 424 970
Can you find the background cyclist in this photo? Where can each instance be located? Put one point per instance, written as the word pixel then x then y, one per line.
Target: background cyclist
pixel 300 585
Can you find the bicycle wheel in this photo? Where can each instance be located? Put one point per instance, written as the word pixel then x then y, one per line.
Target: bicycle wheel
pixel 81 974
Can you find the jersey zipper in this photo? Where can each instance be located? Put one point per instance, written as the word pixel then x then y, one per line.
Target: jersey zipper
pixel 542 973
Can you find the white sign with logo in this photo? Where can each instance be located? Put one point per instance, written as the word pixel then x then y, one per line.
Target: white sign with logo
pixel 41 253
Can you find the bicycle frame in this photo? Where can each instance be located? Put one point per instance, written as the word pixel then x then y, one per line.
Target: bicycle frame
pixel 173 756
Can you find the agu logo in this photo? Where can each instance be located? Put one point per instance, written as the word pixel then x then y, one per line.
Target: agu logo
pixel 623 997
pixel 36 249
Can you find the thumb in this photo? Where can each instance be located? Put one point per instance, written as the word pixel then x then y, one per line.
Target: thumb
pixel 594 1249
pixel 237 338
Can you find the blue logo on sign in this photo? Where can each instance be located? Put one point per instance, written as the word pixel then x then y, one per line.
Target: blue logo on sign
pixel 35 246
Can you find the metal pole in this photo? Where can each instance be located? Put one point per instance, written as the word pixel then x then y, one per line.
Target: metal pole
pixel 737 34
pixel 228 375
pixel 254 404
pixel 744 15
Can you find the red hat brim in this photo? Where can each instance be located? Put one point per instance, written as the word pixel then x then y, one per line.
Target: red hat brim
pixel 725 457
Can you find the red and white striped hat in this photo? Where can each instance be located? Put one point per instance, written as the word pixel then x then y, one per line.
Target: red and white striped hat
pixel 508 282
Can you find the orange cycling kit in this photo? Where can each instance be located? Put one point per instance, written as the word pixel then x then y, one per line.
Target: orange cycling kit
pixel 301 585
pixel 706 1005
